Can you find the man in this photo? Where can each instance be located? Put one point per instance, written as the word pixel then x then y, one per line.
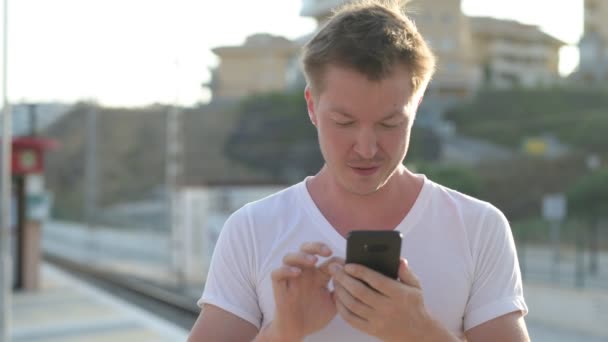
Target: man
pixel 278 271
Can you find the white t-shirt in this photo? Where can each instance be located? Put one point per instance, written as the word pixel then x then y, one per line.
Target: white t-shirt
pixel 460 248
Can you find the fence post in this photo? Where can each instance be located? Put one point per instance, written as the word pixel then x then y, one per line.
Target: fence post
pixel 579 271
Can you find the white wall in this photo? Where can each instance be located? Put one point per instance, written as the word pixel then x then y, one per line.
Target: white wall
pixel 202 213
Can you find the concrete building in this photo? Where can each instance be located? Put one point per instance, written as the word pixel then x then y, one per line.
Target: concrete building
pixel 447 31
pixel 593 46
pixel 470 52
pixel 513 54
pixel 258 66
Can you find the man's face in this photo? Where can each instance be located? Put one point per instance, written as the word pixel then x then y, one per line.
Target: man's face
pixel 363 126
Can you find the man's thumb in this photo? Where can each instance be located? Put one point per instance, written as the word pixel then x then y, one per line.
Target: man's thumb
pixel 406 275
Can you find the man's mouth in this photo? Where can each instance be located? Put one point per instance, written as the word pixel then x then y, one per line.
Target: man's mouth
pixel 365 171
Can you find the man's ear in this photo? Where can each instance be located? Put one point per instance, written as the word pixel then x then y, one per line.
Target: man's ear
pixel 310 105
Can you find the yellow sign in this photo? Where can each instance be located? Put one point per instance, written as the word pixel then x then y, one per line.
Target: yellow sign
pixel 535 146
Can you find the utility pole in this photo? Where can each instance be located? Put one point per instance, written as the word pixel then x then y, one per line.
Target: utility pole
pixel 5 196
pixel 33 119
pixel 173 172
pixel 90 176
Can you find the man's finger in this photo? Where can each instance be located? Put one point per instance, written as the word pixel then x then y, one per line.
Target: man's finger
pixel 406 276
pixel 324 267
pixel 285 272
pixel 356 288
pixel 353 304
pixel 317 248
pixel 300 259
pixel 379 282
pixel 350 318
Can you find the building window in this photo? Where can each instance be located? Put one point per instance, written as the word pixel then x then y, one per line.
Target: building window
pixel 446 18
pixel 588 52
pixel 590 6
pixel 451 66
pixel 426 17
pixel 447 44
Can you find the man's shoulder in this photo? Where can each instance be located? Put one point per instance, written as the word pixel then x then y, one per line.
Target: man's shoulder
pixel 449 197
pixel 280 198
pixel 279 202
pixel 475 213
pixel 268 216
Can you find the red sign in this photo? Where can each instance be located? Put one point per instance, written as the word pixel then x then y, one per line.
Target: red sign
pixel 28 154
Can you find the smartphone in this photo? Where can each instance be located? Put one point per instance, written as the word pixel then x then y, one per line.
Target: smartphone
pixel 378 250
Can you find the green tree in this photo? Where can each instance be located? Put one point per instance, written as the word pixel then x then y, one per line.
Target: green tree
pixel 589 196
pixel 588 200
pixel 274 134
pixel 577 117
pixel 458 178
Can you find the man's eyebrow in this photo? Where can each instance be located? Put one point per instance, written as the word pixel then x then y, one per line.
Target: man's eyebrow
pixel 341 112
pixel 391 115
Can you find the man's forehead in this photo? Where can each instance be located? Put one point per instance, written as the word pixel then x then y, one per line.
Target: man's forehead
pixel 400 68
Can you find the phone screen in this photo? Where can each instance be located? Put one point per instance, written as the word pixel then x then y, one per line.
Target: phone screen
pixel 378 250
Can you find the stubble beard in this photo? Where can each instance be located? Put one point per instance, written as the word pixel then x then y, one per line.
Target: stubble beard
pixel 361 188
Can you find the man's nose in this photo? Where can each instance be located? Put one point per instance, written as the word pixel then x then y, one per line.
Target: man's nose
pixel 366 144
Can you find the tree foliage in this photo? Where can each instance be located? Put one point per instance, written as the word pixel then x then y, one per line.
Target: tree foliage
pixel 588 197
pixel 458 178
pixel 577 117
pixel 274 134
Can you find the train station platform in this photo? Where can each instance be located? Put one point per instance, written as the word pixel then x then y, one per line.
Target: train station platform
pixel 67 309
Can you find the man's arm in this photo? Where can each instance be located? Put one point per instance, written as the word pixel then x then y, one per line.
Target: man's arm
pixel 215 324
pixel 507 328
pixel 304 304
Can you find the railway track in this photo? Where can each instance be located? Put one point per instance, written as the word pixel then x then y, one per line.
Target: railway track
pixel 165 303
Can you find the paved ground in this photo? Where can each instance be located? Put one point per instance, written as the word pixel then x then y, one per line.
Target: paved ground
pixel 540 332
pixel 68 310
pixel 562 314
pixel 558 310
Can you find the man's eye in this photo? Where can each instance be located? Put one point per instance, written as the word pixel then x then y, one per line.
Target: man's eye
pixel 387 125
pixel 345 124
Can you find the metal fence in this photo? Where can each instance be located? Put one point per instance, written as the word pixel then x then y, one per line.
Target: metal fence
pixel 569 254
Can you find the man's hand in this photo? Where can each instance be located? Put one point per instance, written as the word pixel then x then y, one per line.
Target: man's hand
pixel 388 309
pixel 304 304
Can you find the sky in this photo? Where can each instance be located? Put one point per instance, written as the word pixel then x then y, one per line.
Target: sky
pixel 139 52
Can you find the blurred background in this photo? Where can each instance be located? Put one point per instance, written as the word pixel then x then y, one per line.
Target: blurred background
pixel 158 119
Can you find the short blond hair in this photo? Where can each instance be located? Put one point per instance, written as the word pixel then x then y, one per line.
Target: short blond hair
pixel 371 37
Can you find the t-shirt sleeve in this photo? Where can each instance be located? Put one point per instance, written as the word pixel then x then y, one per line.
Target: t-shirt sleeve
pixel 231 281
pixel 497 286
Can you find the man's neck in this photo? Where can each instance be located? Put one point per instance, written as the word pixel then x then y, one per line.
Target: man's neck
pixel 383 209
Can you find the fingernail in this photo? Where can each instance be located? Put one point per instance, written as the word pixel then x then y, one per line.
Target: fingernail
pixel 311 257
pixel 333 268
pixel 325 250
pixel 294 270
